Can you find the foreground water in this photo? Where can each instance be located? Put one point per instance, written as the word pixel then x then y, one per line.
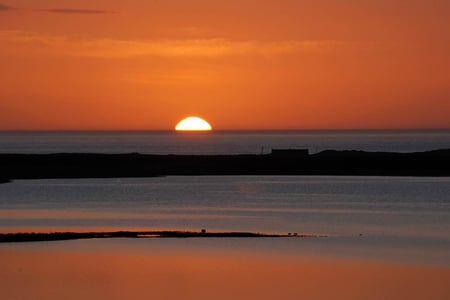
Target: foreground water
pixel 179 269
pixel 386 218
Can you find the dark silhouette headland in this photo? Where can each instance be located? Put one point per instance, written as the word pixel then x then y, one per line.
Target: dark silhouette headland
pixel 279 162
pixel 62 236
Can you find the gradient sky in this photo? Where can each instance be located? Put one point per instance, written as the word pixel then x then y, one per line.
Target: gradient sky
pixel 240 64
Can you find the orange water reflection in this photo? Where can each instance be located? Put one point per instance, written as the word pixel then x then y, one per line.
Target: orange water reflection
pixel 61 273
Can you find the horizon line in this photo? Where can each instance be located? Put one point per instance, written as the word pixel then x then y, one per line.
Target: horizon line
pixel 228 130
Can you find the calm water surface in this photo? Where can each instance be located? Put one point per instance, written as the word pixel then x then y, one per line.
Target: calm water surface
pixel 232 142
pixel 370 217
pixel 394 218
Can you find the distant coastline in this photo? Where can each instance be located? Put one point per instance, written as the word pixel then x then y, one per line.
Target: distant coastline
pixel 220 142
pixel 279 162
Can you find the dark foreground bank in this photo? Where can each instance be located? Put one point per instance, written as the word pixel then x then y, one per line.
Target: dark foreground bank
pixel 60 236
pixel 279 162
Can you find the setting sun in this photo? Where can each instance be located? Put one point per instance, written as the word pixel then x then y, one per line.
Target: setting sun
pixel 193 124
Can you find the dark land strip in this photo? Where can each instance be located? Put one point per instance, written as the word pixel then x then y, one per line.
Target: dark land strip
pixel 279 162
pixel 61 236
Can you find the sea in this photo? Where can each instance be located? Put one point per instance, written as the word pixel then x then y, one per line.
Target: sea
pixel 221 142
pixel 400 219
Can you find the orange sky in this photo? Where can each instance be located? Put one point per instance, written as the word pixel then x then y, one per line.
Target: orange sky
pixel 240 64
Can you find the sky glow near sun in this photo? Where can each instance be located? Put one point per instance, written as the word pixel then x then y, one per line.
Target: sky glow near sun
pixel 246 64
